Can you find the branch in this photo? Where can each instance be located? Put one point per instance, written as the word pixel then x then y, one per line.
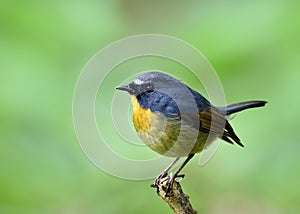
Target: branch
pixel 176 199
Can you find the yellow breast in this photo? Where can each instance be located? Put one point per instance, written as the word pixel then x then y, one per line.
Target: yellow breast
pixel 141 116
pixel 161 134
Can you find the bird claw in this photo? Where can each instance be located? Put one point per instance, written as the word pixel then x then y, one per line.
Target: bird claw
pixel 169 188
pixel 180 176
pixel 159 177
pixel 171 180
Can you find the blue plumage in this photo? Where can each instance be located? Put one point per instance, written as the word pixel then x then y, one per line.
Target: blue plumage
pixel 160 102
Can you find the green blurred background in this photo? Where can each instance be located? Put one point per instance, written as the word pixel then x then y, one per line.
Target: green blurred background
pixel 254 47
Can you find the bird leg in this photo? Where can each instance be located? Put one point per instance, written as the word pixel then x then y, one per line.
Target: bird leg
pixel 165 172
pixel 173 177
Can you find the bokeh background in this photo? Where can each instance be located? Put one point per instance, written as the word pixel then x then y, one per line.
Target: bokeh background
pixel 254 47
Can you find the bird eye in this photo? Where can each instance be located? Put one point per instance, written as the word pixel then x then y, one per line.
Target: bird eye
pixel 149 87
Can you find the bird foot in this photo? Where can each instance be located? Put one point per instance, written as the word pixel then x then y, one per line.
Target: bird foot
pixel 166 182
pixel 158 180
pixel 172 179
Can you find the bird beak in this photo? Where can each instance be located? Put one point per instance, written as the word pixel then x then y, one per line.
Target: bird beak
pixel 124 88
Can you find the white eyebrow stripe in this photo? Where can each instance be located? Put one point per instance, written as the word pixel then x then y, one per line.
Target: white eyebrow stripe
pixel 138 81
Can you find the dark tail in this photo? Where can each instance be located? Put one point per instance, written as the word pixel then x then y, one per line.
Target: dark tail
pixel 230 109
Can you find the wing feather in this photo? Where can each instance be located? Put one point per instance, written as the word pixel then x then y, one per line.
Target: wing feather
pixel 219 125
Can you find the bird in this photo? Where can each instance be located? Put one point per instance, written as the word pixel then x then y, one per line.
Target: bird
pixel 176 121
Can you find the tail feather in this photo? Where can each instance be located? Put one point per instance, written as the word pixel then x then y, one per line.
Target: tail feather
pixel 230 135
pixel 230 109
